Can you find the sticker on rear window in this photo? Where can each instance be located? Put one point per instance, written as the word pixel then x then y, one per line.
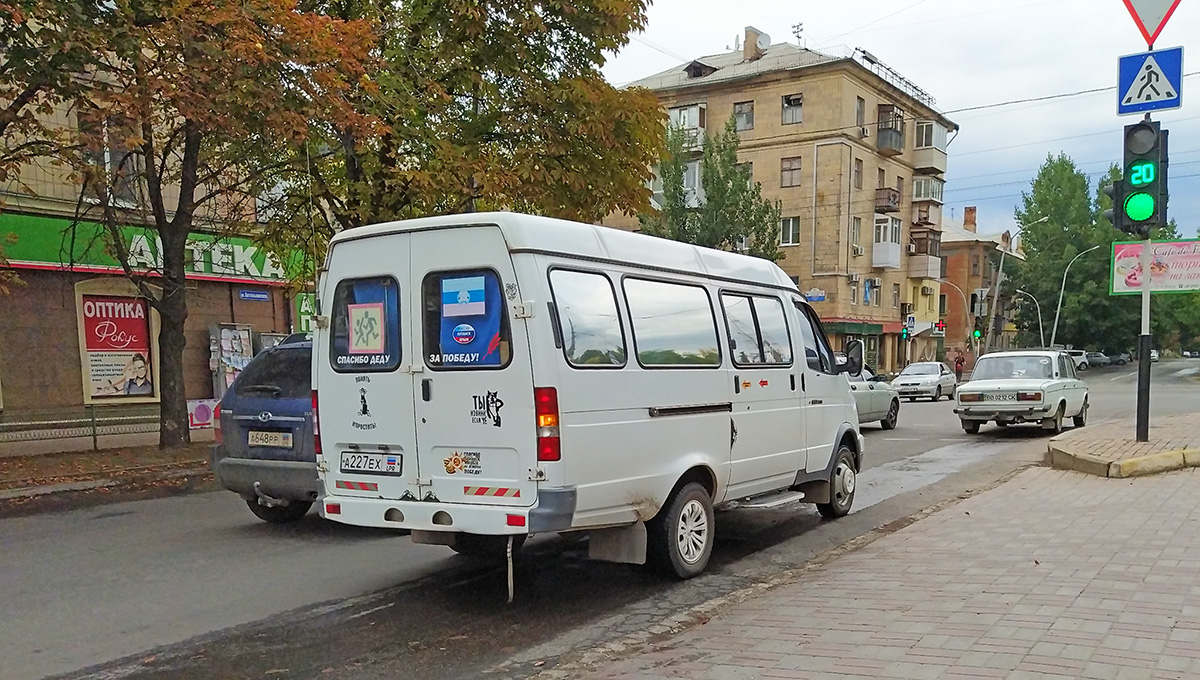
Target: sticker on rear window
pixel 465 324
pixel 463 297
pixel 366 328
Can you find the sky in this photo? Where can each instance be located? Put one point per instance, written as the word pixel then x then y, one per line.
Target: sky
pixel 968 53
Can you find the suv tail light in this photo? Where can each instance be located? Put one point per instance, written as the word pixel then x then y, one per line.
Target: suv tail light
pixel 316 424
pixel 545 400
pixel 217 436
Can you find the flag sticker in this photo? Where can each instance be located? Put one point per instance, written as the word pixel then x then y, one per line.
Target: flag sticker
pixel 463 297
pixel 366 328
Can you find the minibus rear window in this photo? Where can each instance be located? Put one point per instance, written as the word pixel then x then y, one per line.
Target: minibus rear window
pixel 465 322
pixel 365 325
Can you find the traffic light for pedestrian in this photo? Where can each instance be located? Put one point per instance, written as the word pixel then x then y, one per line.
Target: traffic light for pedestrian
pixel 1116 214
pixel 1144 200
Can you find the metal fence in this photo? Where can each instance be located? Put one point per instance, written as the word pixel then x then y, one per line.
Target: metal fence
pixel 88 421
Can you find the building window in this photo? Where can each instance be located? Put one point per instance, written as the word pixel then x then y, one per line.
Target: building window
pixel 880 178
pixel 789 172
pixel 115 165
pixel 877 296
pixel 974 264
pixel 789 231
pixel 688 117
pixel 928 189
pixel 896 295
pixel 858 173
pixel 855 230
pixel 853 293
pixel 743 114
pixel 895 230
pixel 944 268
pixel 930 135
pixel 860 112
pixel 793 109
pixel 942 305
pixel 900 186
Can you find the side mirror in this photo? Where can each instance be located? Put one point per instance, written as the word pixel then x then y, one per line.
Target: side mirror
pixel 854 358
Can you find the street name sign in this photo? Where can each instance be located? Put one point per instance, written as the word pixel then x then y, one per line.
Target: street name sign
pixel 1150 81
pixel 1150 16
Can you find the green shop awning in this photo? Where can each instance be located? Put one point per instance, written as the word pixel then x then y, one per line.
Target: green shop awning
pixel 852 327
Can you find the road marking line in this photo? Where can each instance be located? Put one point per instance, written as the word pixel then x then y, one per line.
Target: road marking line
pixel 900 439
pixel 1127 375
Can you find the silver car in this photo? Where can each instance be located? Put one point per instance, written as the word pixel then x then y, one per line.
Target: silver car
pixel 931 379
pixel 875 398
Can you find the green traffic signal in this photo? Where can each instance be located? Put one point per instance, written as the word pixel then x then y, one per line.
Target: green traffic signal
pixel 977 334
pixel 1141 173
pixel 1139 206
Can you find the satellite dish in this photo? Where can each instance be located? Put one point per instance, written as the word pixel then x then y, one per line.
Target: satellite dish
pixel 763 42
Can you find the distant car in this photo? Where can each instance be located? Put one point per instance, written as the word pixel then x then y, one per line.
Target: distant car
pixel 1022 387
pixel 931 379
pixel 1098 359
pixel 265 450
pixel 1122 358
pixel 1079 357
pixel 1153 355
pixel 876 399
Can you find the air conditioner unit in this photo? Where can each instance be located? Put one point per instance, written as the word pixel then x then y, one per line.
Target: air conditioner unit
pixel 926 290
pixel 876 282
pixel 857 250
pixel 854 278
pixel 864 132
pixel 906 308
pixel 912 249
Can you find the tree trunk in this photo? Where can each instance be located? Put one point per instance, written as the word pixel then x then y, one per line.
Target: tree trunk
pixel 173 313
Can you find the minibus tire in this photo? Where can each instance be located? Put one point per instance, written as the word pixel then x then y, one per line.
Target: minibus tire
pixel 485 546
pixel 664 552
pixel 279 514
pixel 841 491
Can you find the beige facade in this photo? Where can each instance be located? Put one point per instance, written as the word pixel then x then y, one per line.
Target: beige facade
pixel 855 154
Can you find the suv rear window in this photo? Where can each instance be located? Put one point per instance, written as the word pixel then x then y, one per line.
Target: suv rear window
pixel 366 325
pixel 281 373
pixel 465 323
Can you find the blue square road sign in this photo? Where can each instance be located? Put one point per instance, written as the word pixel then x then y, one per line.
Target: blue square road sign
pixel 1150 81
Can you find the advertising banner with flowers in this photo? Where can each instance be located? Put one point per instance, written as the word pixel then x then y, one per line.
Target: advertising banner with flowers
pixel 1174 267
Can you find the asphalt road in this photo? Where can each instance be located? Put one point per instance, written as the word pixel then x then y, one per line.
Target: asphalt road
pixel 195 587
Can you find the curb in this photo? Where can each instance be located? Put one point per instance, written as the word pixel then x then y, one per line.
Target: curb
pixel 1061 458
pixel 27 492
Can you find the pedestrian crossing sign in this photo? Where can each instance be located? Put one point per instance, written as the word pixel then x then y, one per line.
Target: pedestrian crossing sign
pixel 1150 81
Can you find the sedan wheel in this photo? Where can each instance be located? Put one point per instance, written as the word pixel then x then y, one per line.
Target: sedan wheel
pixel 893 414
pixel 1081 419
pixel 937 394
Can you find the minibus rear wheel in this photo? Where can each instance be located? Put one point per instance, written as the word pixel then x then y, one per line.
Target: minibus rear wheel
pixel 681 535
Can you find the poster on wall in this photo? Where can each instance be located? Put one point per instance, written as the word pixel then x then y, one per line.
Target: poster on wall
pixel 232 352
pixel 117 342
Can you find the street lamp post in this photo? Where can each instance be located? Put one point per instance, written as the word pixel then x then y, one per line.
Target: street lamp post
pixel 1041 331
pixel 988 334
pixel 1063 287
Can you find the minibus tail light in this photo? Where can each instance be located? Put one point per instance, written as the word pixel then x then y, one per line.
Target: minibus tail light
pixel 316 425
pixel 545 401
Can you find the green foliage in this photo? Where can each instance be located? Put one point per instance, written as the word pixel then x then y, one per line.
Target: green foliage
pixel 733 208
pixel 1090 317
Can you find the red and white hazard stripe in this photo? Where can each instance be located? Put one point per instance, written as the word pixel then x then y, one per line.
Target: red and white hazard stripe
pixel 494 491
pixel 357 486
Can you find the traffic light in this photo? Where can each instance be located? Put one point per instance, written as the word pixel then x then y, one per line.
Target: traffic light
pixel 978 332
pixel 1116 214
pixel 904 332
pixel 1144 197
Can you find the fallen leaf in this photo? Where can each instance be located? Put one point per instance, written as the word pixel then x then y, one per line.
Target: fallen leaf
pixel 539 664
pixel 1036 562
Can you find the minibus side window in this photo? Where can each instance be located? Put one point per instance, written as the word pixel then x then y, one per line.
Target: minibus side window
pixel 465 321
pixel 818 355
pixel 673 324
pixel 758 332
pixel 365 325
pixel 587 314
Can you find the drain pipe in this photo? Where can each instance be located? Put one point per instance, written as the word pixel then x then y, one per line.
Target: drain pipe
pixel 849 203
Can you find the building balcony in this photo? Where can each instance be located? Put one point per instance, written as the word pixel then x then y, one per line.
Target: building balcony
pixel 886 255
pixel 924 266
pixel 923 217
pixel 929 161
pixel 890 140
pixel 887 200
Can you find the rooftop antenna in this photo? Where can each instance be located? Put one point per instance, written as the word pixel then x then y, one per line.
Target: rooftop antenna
pixel 798 31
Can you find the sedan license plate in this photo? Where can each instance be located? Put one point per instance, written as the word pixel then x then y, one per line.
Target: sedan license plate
pixel 372 463
pixel 281 440
pixel 999 397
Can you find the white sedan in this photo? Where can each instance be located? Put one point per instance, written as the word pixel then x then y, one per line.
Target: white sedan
pixel 931 379
pixel 1023 387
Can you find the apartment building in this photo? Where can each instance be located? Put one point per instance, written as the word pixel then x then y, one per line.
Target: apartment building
pixel 856 154
pixel 78 333
pixel 968 289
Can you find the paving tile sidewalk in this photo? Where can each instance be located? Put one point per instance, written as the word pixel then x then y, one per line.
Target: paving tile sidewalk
pixel 1112 450
pixel 1054 574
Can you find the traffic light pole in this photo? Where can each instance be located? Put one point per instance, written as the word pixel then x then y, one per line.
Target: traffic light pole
pixel 1144 346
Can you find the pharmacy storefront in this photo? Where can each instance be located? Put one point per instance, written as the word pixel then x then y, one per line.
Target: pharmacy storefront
pixel 77 332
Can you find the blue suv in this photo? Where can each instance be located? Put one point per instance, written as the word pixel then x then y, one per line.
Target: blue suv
pixel 265 450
